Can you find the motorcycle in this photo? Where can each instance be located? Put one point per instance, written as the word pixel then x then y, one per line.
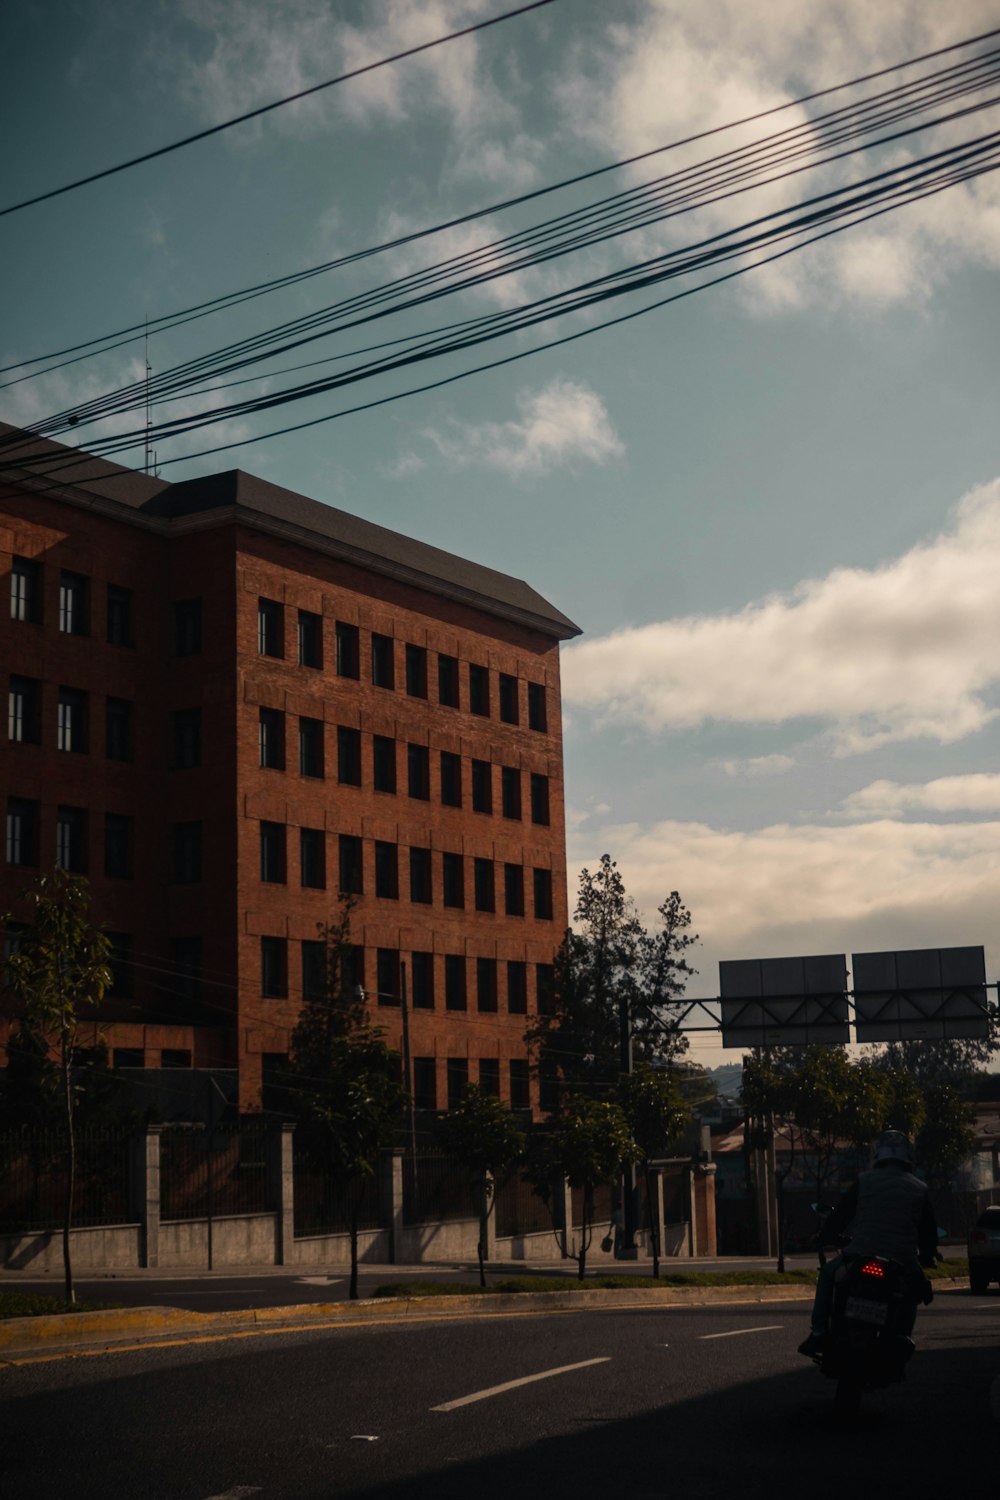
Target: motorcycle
pixel 868 1345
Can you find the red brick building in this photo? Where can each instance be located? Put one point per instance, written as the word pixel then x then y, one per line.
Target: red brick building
pixel 227 704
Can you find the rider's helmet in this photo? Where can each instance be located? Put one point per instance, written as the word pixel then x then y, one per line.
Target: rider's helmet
pixel 893 1145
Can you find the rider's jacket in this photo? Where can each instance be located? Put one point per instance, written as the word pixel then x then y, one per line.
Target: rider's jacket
pixel 892 1216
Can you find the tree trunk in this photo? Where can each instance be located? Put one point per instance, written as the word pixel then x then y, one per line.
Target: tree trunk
pixel 354 1248
pixel 586 1216
pixel 69 1291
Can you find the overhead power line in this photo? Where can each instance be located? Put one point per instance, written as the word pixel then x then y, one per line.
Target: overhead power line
pixel 264 109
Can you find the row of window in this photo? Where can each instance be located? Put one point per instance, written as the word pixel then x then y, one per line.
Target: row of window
pixel 416 664
pixel 275 1073
pixel 72 838
pixel 27 601
pixel 421 863
pixel 24 719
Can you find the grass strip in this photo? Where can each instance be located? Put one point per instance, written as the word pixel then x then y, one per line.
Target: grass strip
pixel 36 1305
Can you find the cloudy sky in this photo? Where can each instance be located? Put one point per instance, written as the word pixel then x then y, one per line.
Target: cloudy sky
pixel 773 508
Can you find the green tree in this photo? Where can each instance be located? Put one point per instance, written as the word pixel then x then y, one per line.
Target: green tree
pixel 608 970
pixel 590 1143
pixel 482 1133
pixel 345 1076
pixel 58 970
pixel 944 1072
pixel 657 1112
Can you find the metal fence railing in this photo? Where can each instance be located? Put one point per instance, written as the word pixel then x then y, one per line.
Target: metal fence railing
pixel 218 1172
pixel 322 1198
pixel 603 1205
pixel 519 1208
pixel 437 1188
pixel 33 1177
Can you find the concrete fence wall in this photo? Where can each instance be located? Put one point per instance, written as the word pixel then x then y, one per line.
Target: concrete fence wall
pixel 261 1239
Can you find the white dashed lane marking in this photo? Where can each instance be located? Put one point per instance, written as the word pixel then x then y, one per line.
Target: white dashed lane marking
pixel 510 1385
pixel 735 1332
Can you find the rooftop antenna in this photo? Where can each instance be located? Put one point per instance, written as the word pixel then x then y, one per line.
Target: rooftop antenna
pixel 149 409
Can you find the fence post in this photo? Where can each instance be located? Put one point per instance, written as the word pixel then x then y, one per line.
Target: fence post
pixel 281 1189
pixel 562 1213
pixel 144 1190
pixel 390 1195
pixel 656 1208
pixel 488 1216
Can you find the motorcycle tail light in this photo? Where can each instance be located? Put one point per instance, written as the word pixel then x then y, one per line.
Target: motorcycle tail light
pixel 872 1268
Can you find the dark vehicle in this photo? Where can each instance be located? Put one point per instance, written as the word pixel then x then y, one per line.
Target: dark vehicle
pixel 867 1347
pixel 984 1251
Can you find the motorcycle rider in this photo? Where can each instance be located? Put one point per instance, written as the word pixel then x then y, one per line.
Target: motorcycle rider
pixel 891 1214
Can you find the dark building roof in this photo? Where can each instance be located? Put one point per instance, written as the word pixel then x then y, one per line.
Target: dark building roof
pixel 234 496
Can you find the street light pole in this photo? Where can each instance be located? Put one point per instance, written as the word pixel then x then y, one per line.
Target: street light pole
pixel 627 1250
pixel 408 1065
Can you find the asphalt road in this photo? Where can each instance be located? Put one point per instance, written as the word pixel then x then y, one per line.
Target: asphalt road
pixel 221 1291
pixel 704 1402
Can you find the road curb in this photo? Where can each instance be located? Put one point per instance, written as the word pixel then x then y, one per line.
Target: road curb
pixel 66 1332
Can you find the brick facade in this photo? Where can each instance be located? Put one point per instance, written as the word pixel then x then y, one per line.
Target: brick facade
pixel 251 612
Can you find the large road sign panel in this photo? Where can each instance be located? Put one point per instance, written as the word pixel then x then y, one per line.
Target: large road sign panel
pixel 920 994
pixel 768 1002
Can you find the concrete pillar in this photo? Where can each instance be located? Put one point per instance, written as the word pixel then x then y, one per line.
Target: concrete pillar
pixel 281 1189
pixel 488 1217
pixel 656 1200
pixel 145 1192
pixel 691 1200
pixel 562 1213
pixel 390 1194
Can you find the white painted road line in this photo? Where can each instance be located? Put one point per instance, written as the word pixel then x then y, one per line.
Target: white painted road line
pixel 241 1492
pixel 735 1332
pixel 510 1385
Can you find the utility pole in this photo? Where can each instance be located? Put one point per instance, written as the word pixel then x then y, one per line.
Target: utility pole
pixel 629 1184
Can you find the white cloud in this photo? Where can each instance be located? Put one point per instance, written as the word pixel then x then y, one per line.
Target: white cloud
pixel 787 889
pixel 563 423
pixel 759 765
pixel 681 69
pixel 976 792
pixel 899 652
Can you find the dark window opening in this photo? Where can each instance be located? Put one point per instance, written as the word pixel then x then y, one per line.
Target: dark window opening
pixel 458 1080
pixel 121 964
pixel 26 591
pixel 71 725
pixel 187 738
pixel 543 894
pixel 421 881
pixel 186 961
pixel 483 881
pixel 175 1057
pixel 386 870
pixel 482 786
pixel 310 639
pixel 451 779
pixel 508 699
pixel 271 739
pixel 545 980
pixel 186 840
pixel 24 702
pixel 489 1076
pixel 455 997
pixel 387 972
pixel 539 799
pixel 311 748
pixel 418 771
pixel 351 866
pixel 383 763
pixel 273 853
pixel 422 980
pixel 416 671
pixel 517 987
pixel 513 890
pixel 117 846
pixel 538 717
pixel 74 604
pixel 383 661
pixel 22 831
pixel 453 883
pixel 479 690
pixel 71 840
pixel 520 1084
pixel 510 792
pixel 425 1083
pixel 486 985
pixel 312 858
pixel 120 616
pixel 348 650
pixel 118 738
pixel 270 628
pixel 348 756
pixel 448 681
pixel 187 627
pixel 314 984
pixel 274 968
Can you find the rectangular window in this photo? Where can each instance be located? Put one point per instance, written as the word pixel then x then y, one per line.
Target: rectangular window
pixel 121 963
pixel 22 831
pixel 187 738
pixel 418 771
pixel 348 756
pixel 348 650
pixel 517 987
pixel 539 799
pixel 520 1086
pixel 186 842
pixel 421 885
pixel 486 984
pixel 311 756
pixel 312 858
pixel 350 865
pixel 120 616
pixel 542 880
pixel 383 763
pixel 273 847
pixel 313 969
pixel 71 724
pixel 118 738
pixel 416 671
pixel 451 779
pixel 453 883
pixel 71 840
pixel 422 980
pixel 26 591
pixel 479 690
pixel 383 661
pixel 387 975
pixel 73 604
pixel 448 681
pixel 545 983
pixel 310 639
pixel 24 701
pixel 175 1057
pixel 187 627
pixel 128 1057
pixel 454 982
pixel 508 699
pixel 270 628
pixel 538 717
pixel 489 1076
pixel 513 890
pixel 458 1080
pixel 117 846
pixel 274 968
pixel 510 791
pixel 386 870
pixel 483 881
pixel 271 739
pixel 482 786
pixel 425 1083
pixel 352 967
